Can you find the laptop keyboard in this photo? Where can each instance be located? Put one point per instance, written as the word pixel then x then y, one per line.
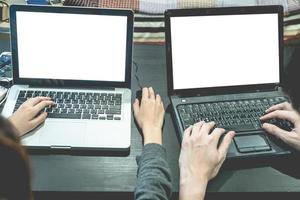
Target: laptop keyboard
pixel 240 116
pixel 78 105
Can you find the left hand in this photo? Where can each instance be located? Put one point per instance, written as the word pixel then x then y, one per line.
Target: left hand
pixel 201 158
pixel 26 118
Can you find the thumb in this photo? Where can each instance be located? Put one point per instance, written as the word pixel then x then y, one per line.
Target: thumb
pixel 136 107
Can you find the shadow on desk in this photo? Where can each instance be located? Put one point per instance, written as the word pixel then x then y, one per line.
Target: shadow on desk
pixel 111 153
pixel 175 196
pixel 289 166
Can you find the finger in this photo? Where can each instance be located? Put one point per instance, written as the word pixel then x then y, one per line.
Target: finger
pixel 160 104
pixel 225 144
pixel 40 106
pixel 206 127
pixel 281 114
pixel 158 99
pixel 276 131
pixel 216 134
pixel 36 100
pixel 187 133
pixel 136 107
pixel 281 106
pixel 151 93
pixel 39 119
pixel 145 94
pixel 196 129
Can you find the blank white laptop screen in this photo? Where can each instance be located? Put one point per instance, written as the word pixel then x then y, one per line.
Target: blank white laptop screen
pixel 227 50
pixel 71 46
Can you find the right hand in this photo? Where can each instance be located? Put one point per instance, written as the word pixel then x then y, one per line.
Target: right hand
pixel 26 118
pixel 286 112
pixel 201 158
pixel 149 115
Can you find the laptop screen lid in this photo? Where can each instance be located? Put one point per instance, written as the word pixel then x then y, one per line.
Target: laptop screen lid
pixel 70 46
pixel 235 48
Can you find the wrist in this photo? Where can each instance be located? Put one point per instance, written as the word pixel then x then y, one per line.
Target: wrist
pixel 17 131
pixel 192 185
pixel 152 135
pixel 193 189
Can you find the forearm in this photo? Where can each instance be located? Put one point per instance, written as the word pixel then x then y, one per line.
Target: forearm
pixel 154 177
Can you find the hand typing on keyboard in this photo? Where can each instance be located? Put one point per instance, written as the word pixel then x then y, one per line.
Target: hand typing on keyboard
pixel 286 113
pixel 201 157
pixel 29 115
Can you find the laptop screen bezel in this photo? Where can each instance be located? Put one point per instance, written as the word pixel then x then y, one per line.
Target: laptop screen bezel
pixel 71 83
pixel 221 11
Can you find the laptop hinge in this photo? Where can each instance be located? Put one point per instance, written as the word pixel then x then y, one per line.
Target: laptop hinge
pixel 75 88
pixel 59 147
pixel 208 93
pixel 276 88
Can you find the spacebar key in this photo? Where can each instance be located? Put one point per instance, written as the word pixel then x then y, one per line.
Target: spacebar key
pixel 241 128
pixel 64 115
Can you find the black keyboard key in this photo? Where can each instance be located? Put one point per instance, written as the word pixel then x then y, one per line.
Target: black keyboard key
pixel 71 110
pixel 64 115
pixel 83 106
pixel 49 110
pixel 90 106
pixel 64 110
pixel 22 95
pixel 110 117
pixel 55 110
pixel 78 111
pixel 94 116
pixel 103 102
pixel 60 105
pixel 104 107
pixel 86 116
pixel 241 128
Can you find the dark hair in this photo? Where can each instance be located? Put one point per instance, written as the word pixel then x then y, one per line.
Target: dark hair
pixel 14 167
pixel 292 79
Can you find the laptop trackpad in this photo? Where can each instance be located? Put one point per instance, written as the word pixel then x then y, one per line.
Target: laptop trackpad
pixel 62 134
pixel 251 143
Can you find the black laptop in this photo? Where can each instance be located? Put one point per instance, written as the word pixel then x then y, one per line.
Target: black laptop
pixel 225 65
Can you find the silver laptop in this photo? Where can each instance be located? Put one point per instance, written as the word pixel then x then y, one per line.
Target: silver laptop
pixel 81 58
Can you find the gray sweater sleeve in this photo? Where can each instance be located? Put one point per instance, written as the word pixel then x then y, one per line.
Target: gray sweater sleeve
pixel 153 176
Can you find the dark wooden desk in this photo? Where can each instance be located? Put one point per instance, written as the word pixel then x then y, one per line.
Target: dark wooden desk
pixel 70 173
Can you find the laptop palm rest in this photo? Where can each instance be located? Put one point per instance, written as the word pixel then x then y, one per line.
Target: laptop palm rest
pixel 55 133
pixel 251 143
